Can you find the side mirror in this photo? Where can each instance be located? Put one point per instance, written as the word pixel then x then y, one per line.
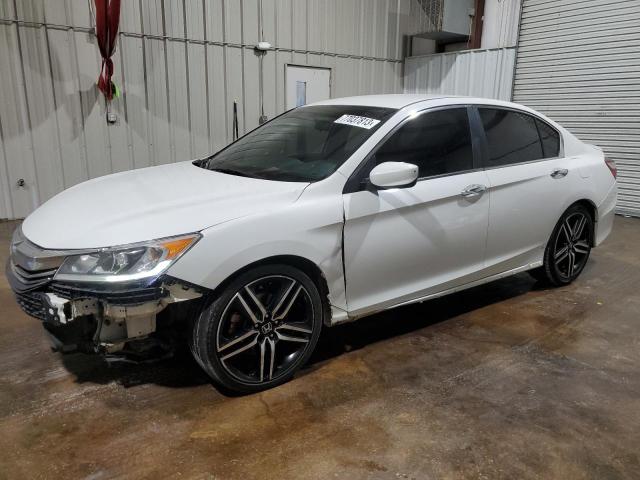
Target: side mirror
pixel 394 175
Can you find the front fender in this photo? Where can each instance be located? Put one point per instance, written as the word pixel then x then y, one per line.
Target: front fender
pixel 311 230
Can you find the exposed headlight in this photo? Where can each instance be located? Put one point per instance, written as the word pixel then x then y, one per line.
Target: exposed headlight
pixel 127 262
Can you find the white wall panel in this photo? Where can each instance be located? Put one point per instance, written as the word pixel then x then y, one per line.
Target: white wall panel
pixel 578 63
pixel 134 88
pixel 235 88
pixel 500 24
pixel 130 17
pixel 232 17
pixel 217 98
pixel 16 127
pixel 5 200
pixel 250 94
pixel 68 108
pixel 157 101
pixel 118 134
pixel 198 110
pixel 299 22
pixel 179 65
pixel 78 11
pixel 38 85
pixel 250 21
pixel 179 101
pixel 95 128
pixel 481 73
pixel 214 20
pixel 271 86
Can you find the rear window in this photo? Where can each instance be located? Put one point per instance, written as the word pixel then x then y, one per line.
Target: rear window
pixel 550 139
pixel 512 137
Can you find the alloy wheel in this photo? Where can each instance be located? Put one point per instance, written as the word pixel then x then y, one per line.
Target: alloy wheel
pixel 265 329
pixel 572 245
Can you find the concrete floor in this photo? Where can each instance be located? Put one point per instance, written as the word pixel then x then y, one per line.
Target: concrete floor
pixel 507 380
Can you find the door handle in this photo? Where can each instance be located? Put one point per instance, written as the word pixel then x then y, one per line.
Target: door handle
pixel 473 191
pixel 559 173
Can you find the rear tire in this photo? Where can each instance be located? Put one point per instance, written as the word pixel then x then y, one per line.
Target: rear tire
pixel 568 249
pixel 260 330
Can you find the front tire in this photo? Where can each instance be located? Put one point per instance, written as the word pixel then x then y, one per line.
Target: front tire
pixel 260 330
pixel 568 249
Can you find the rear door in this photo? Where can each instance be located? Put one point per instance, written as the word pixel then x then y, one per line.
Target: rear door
pixel 405 243
pixel 530 182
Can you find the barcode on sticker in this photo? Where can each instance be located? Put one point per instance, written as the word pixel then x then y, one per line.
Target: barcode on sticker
pixel 356 121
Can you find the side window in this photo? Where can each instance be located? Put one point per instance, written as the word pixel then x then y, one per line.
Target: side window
pixel 550 139
pixel 512 137
pixel 437 142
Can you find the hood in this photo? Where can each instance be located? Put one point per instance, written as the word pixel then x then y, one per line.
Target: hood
pixel 150 203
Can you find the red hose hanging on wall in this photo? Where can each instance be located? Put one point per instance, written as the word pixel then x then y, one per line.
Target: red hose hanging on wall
pixel 107 21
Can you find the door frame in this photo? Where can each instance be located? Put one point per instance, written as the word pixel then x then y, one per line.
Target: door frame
pixel 299 65
pixel 479 128
pixel 354 182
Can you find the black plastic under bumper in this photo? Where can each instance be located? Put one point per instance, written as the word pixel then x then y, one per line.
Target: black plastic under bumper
pixel 76 336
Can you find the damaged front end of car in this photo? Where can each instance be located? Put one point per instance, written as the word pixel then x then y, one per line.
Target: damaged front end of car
pixel 95 302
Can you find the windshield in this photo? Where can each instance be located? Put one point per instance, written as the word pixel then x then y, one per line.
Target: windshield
pixel 303 145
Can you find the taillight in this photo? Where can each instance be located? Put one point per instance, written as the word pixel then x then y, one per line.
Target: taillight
pixel 612 166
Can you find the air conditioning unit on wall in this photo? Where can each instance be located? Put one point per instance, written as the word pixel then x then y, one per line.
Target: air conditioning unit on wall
pixel 442 20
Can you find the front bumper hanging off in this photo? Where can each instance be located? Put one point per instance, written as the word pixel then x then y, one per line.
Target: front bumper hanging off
pixel 87 319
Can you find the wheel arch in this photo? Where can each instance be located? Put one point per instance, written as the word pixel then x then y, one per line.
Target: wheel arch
pixel 590 205
pixel 303 264
pixel 593 211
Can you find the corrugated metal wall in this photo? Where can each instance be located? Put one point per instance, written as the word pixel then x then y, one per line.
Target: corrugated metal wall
pixel 480 73
pixel 180 65
pixel 578 62
pixel 500 23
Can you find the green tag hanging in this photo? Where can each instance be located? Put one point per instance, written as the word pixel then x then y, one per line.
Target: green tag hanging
pixel 115 90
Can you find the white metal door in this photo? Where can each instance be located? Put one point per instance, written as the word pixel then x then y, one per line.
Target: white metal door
pixel 577 62
pixel 401 244
pixel 306 85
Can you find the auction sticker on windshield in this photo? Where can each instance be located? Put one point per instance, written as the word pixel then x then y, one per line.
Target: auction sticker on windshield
pixel 356 121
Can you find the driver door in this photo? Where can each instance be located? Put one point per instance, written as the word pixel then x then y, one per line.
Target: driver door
pixel 405 243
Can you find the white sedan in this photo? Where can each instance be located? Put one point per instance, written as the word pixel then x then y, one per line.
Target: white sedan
pixel 323 215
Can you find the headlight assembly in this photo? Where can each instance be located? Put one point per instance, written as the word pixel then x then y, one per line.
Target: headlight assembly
pixel 127 262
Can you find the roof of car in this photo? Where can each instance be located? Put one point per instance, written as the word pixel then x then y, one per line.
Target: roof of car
pixel 396 100
pixel 401 100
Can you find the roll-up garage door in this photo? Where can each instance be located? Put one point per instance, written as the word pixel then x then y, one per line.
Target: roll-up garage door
pixel 578 62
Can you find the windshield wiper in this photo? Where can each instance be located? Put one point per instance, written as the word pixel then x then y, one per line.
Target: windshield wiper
pixel 231 171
